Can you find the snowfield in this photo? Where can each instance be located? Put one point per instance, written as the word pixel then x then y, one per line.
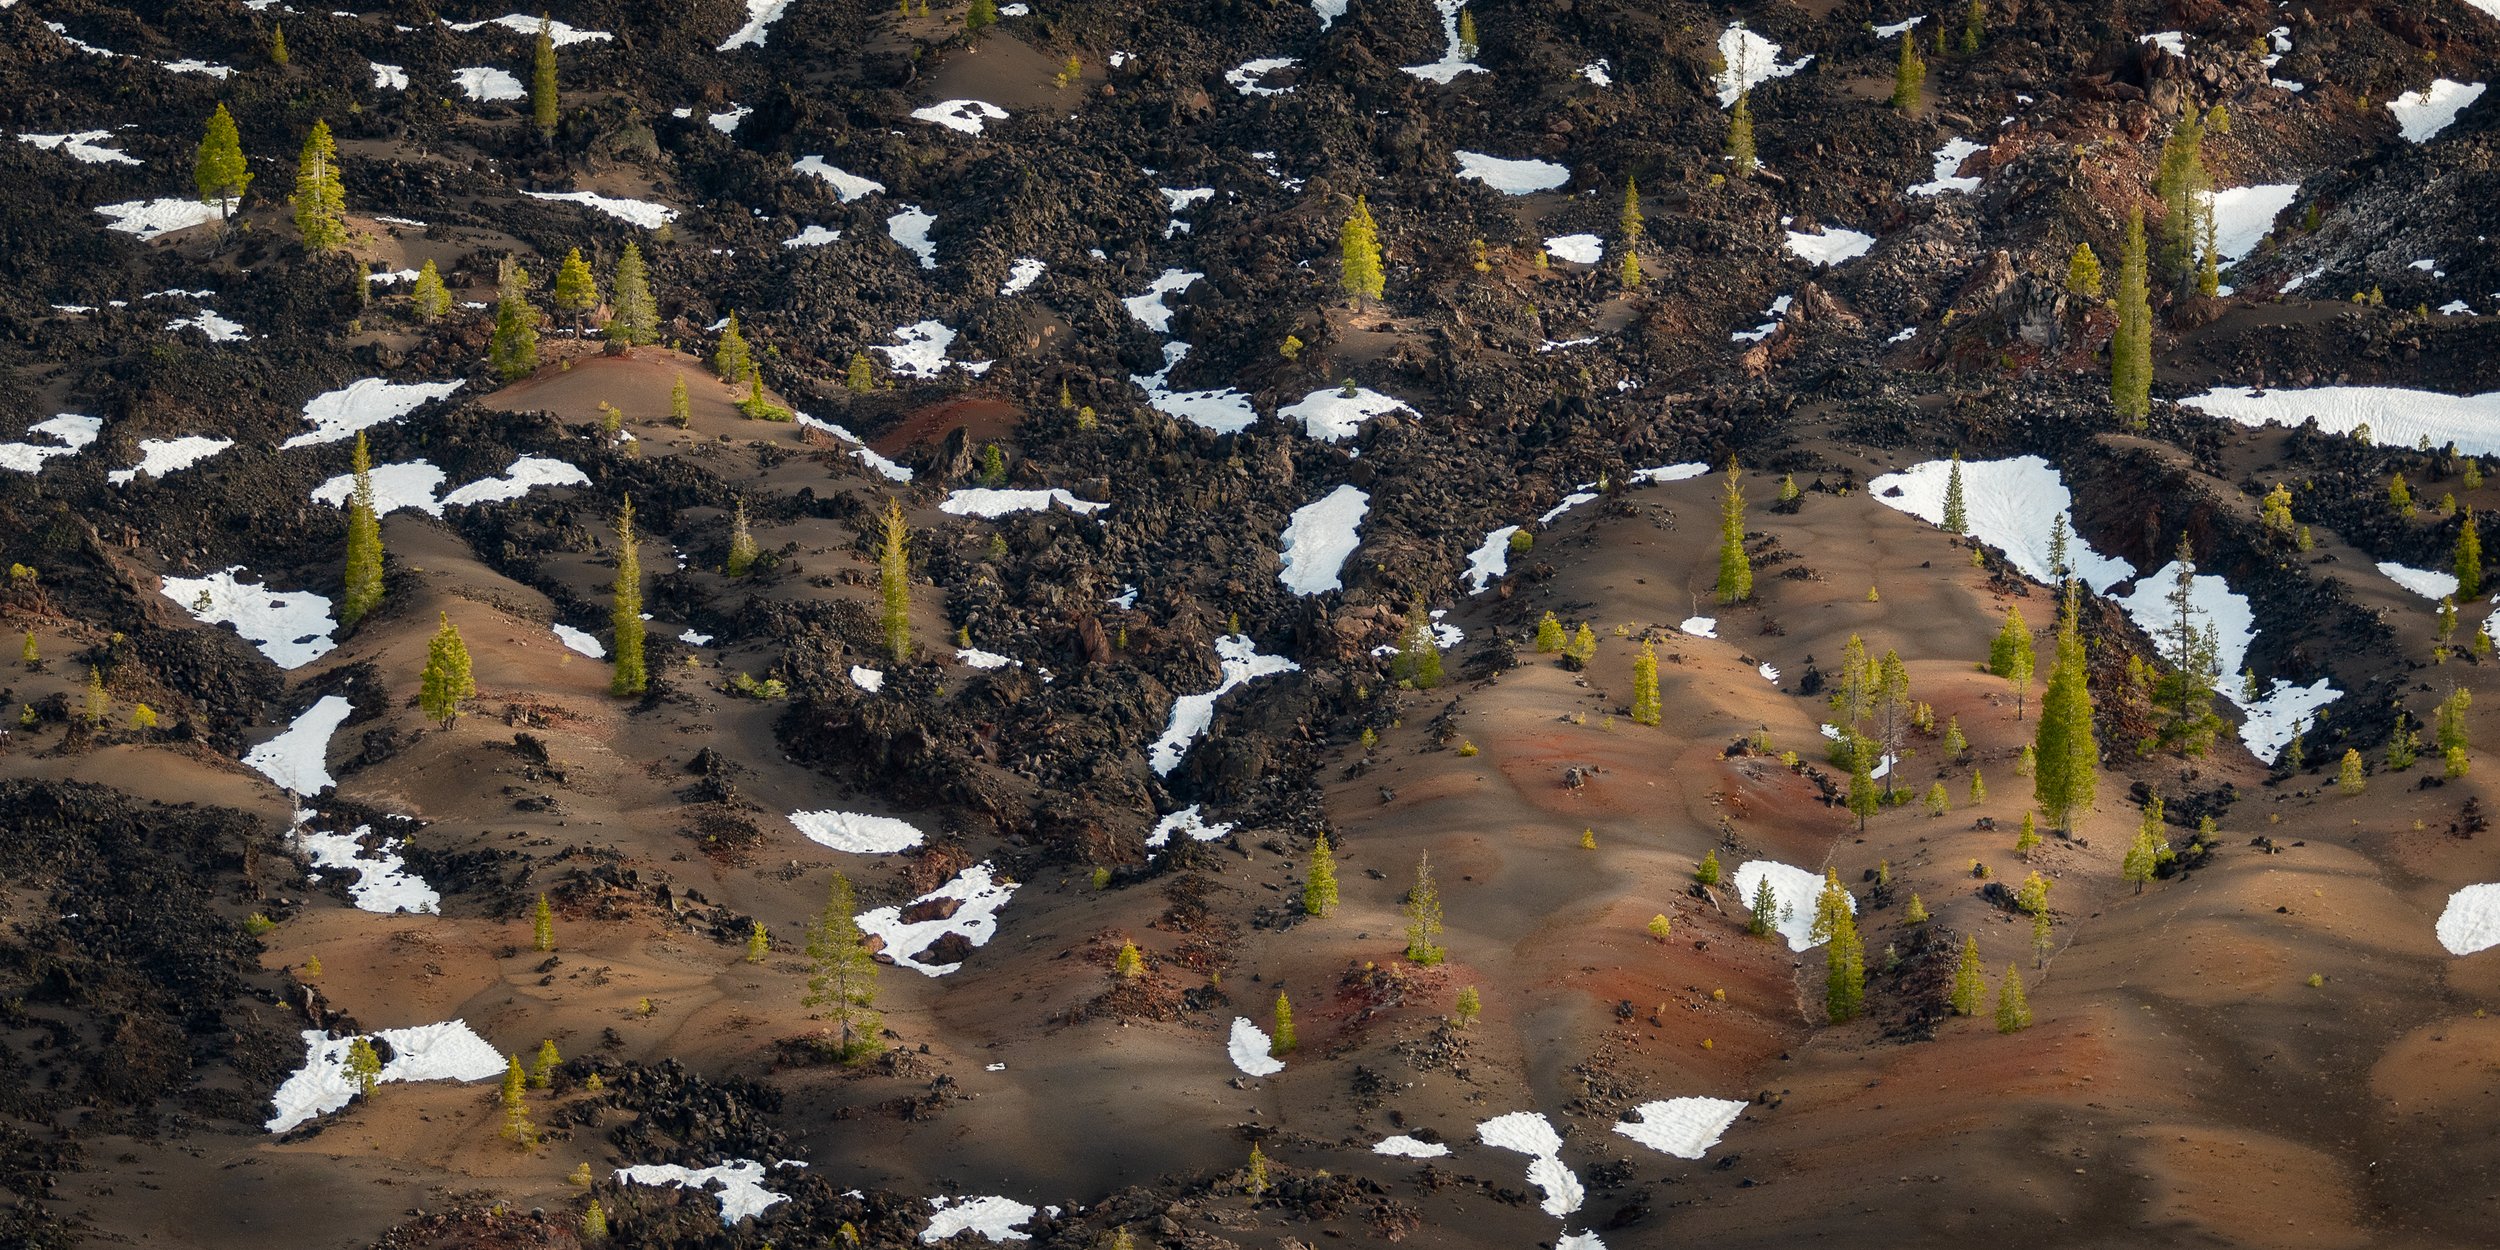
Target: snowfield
pixel 383 883
pixel 2471 921
pixel 978 897
pixel 150 218
pixel 741 1184
pixel 962 116
pixel 1512 177
pixel 450 1051
pixel 1832 247
pixel 1332 416
pixel 641 213
pixel 1320 538
pixel 292 628
pixel 160 456
pixel 1749 60
pixel 2397 417
pixel 1248 1045
pixel 363 404
pixel 1684 1127
pixel 1794 890
pixel 991 503
pixel 1239 661
pixel 297 761
pixel 2011 505
pixel 1188 822
pixel 2421 115
pixel 857 832
pixel 846 186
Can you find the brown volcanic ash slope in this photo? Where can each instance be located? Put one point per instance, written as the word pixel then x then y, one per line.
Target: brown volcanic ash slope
pixel 2270 1044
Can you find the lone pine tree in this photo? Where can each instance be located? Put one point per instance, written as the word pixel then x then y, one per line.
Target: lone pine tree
pixel 633 316
pixel 894 582
pixel 1740 144
pixel 320 196
pixel 543 925
pixel 447 680
pixel 2010 656
pixel 1319 887
pixel 2066 760
pixel 2083 273
pixel 2131 347
pixel 543 104
pixel 842 982
pixel 577 291
pixel 625 614
pixel 1735 567
pixel 1909 76
pixel 1763 919
pixel 513 348
pixel 2013 1008
pixel 1283 1040
pixel 1418 661
pixel 1647 708
pixel 364 1065
pixel 1970 980
pixel 2468 558
pixel 517 1128
pixel 217 168
pixel 1359 271
pixel 1956 504
pixel 730 357
pixel 1423 915
pixel 428 299
pixel 363 591
pixel 741 542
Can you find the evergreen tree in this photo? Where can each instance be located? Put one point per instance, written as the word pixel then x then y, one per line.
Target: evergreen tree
pixel 860 379
pixel 2209 264
pixel 446 681
pixel 517 1128
pixel 2083 273
pixel 894 581
pixel 1893 712
pixel 1418 661
pixel 1970 981
pixel 217 168
pixel 320 196
pixel 543 1065
pixel 1661 928
pixel 1916 912
pixel 594 1222
pixel 1647 708
pixel 1788 488
pixel 633 316
pixel 759 942
pixel 1978 787
pixel 143 718
pixel 1740 147
pixel 1735 567
pixel 364 1065
pixel 513 349
pixel 1582 648
pixel 1865 799
pixel 428 299
pixel 2187 690
pixel 1909 76
pixel 577 291
pixel 364 543
pixel 2043 937
pixel 1844 954
pixel 982 15
pixel 2013 1009
pixel 625 615
pixel 543 925
pixel 741 542
pixel 2059 567
pixel 543 81
pixel 680 405
pixel 1359 270
pixel 1628 271
pixel 1129 964
pixel 277 45
pixel 32 653
pixel 2399 496
pixel 2144 854
pixel 1938 802
pixel 1467 45
pixel 1470 1004
pixel 1423 916
pixel 730 357
pixel 1763 918
pixel 1973 23
pixel 2404 745
pixel 2066 763
pixel 2452 720
pixel 1549 635
pixel 2468 559
pixel 1955 745
pixel 1956 506
pixel 1254 1180
pixel 2029 839
pixel 2348 777
pixel 1631 224
pixel 1283 1039
pixel 842 987
pixel 1319 886
pixel 2131 348
pixel 1707 872
pixel 2181 184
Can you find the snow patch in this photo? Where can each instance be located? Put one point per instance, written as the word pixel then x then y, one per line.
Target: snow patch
pixel 1239 662
pixel 641 213
pixel 1531 1134
pixel 857 832
pixel 1320 537
pixel 297 760
pixel 150 218
pixel 2011 505
pixel 1777 312
pixel 2421 115
pixel 86 146
pixel 1456 58
pixel 1223 410
pixel 1245 77
pixel 1699 626
pixel 388 77
pixel 1684 1127
pixel 1490 561
pixel 910 231
pixel 72 433
pixel 581 642
pixel 866 678
pixel 2428 583
pixel 883 467
pixel 1022 275
pixel 813 236
pixel 292 628
pixel 1248 1046
pixel 978 897
pixel 761 14
pixel 2274 717
pixel 1793 891
pixel 1333 416
pixel 361 405
pixel 963 116
pixel 2471 921
pixel 991 503
pixel 1749 60
pixel 2397 417
pixel 2244 215
pixel 1579 249
pixel 1190 823
pixel 1949 158
pixel 409 484
pixel 450 1051
pixel 486 84
pixel 847 186
pixel 1149 309
pixel 1831 247
pixel 1405 1147
pixel 383 883
pixel 919 351
pixel 160 456
pixel 742 1194
pixel 1512 177
pixel 526 474
pixel 993 1217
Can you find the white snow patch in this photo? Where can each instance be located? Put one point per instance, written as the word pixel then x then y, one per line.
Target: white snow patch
pixel 1328 10
pixel 2243 215
pixel 2471 921
pixel 2455 308
pixel 194 65
pixel 1831 247
pixel 1665 473
pixel 980 897
pixel 977 658
pixel 964 116
pixel 847 186
pixel 1599 72
pixel 1898 29
pixel 297 759
pixel 1570 501
pixel 1149 309
pixel 1512 177
pixel 1948 159
pixel 526 474
pixel 741 1181
pixel 383 883
pixel 1248 1047
pixel 993 1217
pixel 486 83
pixel 1022 275
pixel 2397 417
pixel 85 145
pixel 1579 249
pixel 1699 626
pixel 1456 58
pixel 1907 333
pixel 2273 719
pixel 450 1051
pixel 1490 561
pixel 363 404
pixel 1769 673
pixel 208 321
pixel 2011 505
pixel 1531 1134
pixel 990 502
pixel 407 484
pixel 690 636
pixel 910 230
pixel 1333 416
pixel 1320 537
pixel 151 218
pixel 558 33
pixel 1793 891
pixel 2420 115
pixel 761 14
pixel 813 236
pixel 2171 41
pixel 1190 823
pixel 866 678
pixel 2431 584
pixel 1239 662
pixel 292 628
pixel 1750 60
pixel 1405 1147
pixel 857 832
pixel 72 432
pixel 160 456
pixel 1245 77
pixel 581 642
pixel 388 77
pixel 1222 409
pixel 919 351
pixel 1684 1127
pixel 1777 312
pixel 883 467
pixel 641 213
pixel 727 121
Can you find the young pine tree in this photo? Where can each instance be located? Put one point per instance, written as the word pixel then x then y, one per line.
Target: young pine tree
pixel 1970 980
pixel 217 168
pixel 1938 802
pixel 513 349
pixel 98 704
pixel 543 1065
pixel 1254 1178
pixel 981 16
pixel 1423 916
pixel 842 987
pixel 1865 798
pixel 759 942
pixel 633 316
pixel 543 103
pixel 2029 839
pixel 1282 1040
pixel 625 614
pixel 2010 656
pixel 1582 648
pixel 1549 635
pixel 1359 271
pixel 894 582
pixel 2468 559
pixel 446 680
pixel 543 925
pixel 741 542
pixel 1916 912
pixel 1707 872
pixel 594 1222
pixel 2348 778
pixel 1130 963
pixel 1956 504
pixel 1469 1005
pixel 1418 660
pixel 2083 273
pixel 680 405
pixel 2066 762
pixel 1319 887
pixel 278 55
pixel 1974 22
pixel 517 1128
pixel 1630 224
pixel 577 290
pixel 1467 45
pixel 2013 1009
pixel 429 300
pixel 730 357
pixel 2131 348
pixel 1909 76
pixel 1735 567
pixel 1763 918
pixel 1647 709
pixel 364 543
pixel 860 378
pixel 364 1066
pixel 320 195
pixel 1740 144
